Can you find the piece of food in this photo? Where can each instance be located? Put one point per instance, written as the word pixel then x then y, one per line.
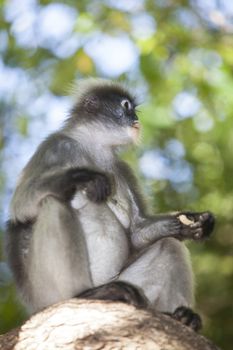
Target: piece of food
pixel 185 220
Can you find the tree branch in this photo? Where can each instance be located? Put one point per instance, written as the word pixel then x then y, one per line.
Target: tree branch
pixel 91 324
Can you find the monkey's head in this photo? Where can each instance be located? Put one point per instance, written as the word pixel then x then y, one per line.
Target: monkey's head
pixel 108 111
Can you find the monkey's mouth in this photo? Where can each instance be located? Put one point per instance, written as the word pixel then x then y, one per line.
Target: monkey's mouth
pixel 136 125
pixel 134 131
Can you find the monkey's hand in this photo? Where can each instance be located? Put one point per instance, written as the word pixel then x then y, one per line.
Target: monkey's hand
pixel 99 188
pixel 197 226
pixel 183 225
pixel 96 185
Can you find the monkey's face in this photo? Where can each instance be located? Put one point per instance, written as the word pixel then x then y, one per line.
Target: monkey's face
pixel 133 127
pixel 122 118
pixel 116 113
pixel 108 110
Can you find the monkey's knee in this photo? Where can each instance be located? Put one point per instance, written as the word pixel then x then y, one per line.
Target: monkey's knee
pixel 164 274
pixel 117 291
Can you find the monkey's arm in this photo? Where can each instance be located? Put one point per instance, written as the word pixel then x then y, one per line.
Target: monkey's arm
pixel 57 170
pixel 150 229
pixel 63 185
pixel 147 229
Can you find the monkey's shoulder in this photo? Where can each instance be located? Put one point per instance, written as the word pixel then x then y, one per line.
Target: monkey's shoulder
pixel 60 145
pixel 55 150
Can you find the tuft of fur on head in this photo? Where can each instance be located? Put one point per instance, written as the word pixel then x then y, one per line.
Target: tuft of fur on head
pixel 89 86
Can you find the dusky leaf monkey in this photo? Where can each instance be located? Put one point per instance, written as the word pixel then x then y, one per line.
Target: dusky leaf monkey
pixel 78 223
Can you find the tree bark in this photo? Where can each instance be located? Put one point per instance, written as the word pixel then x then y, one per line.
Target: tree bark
pixel 79 324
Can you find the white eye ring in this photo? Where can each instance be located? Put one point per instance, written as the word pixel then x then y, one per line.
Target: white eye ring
pixel 126 104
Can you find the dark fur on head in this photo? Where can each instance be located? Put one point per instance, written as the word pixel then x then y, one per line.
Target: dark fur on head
pixel 101 98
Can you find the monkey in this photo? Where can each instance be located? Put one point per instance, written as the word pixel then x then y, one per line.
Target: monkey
pixel 78 222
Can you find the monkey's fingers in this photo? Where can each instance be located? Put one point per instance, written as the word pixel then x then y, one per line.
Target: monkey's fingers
pixel 99 189
pixel 208 223
pixel 197 226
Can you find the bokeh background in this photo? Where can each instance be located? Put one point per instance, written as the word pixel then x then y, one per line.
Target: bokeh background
pixel 178 58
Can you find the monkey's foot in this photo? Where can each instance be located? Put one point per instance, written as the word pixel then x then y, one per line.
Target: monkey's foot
pixel 117 291
pixel 187 317
pixel 197 226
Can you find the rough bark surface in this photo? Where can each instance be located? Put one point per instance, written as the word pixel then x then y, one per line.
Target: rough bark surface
pixel 93 325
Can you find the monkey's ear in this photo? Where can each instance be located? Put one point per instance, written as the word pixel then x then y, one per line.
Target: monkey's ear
pixel 91 103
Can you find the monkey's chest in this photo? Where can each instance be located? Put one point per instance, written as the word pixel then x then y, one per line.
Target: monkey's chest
pixel 104 229
pixel 120 209
pixel 118 205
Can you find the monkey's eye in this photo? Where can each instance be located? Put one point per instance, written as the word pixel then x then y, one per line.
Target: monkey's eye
pixel 126 104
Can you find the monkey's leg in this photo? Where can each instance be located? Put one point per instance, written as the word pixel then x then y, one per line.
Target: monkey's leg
pixel 57 258
pixel 16 244
pixel 164 274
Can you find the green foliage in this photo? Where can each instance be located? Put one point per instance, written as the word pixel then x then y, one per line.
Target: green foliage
pixel 174 56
